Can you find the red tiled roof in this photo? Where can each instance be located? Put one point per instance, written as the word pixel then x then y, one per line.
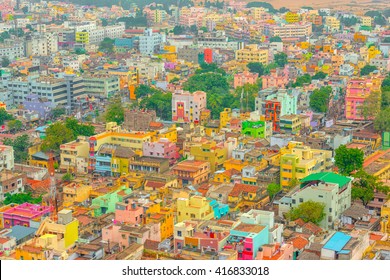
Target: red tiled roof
pixel 313 228
pixel 299 242
pixel 299 222
pixel 154 184
pixel 239 188
pixel 151 244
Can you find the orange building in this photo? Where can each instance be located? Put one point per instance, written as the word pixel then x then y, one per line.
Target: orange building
pixel 191 172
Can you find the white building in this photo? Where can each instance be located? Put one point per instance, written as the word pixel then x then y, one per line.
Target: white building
pixel 325 187
pixel 150 42
pixel 12 49
pixel 6 157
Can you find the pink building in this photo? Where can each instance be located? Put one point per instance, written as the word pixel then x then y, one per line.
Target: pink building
pixel 358 89
pixel 125 235
pixel 187 107
pixel 276 252
pixel 161 149
pixel 277 78
pixel 23 214
pixel 246 77
pixel 128 213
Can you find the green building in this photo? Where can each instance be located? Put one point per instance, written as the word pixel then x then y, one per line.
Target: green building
pixel 256 129
pixel 106 203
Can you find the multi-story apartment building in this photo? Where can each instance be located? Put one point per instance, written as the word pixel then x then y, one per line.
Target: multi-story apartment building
pixel 12 49
pixel 60 91
pixel 298 161
pixel 252 53
pixel 332 24
pixel 187 107
pixel 150 42
pixel 102 86
pixel 293 30
pixel 216 40
pixel 328 188
pixel 6 157
pixel 246 77
pixel 74 156
pixel 358 89
pixel 274 103
pixel 195 207
pixel 210 152
pixel 290 124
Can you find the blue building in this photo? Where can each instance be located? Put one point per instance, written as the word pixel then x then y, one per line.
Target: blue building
pixel 219 209
pixel 338 247
pixel 37 104
pixel 103 159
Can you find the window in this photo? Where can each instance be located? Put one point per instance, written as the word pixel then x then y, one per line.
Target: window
pixel 330 210
pixel 301 200
pixel 179 233
pixel 294 201
pixel 193 216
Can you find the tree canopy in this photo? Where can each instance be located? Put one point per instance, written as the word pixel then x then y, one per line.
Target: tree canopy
pixel 372 105
pixel 382 120
pixel 309 211
pixel 301 80
pixel 210 67
pixel 4 116
pixel 275 39
pixel 115 111
pixel 319 76
pixel 365 185
pixel 144 90
pixel 280 59
pixel 20 198
pixel 56 135
pixel 348 160
pixel 319 99
pixel 160 102
pixel 367 69
pixel 273 189
pixel 20 145
pixel 107 45
pixel 256 67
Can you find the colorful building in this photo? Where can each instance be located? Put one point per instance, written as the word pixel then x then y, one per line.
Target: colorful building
pixel 190 172
pixel 195 207
pixel 290 124
pixel 211 152
pixel 24 214
pixel 257 129
pixel 187 107
pixel 106 203
pixel 298 161
pixel 163 148
pixel 358 90
pixel 252 53
pixel 75 192
pixel 241 79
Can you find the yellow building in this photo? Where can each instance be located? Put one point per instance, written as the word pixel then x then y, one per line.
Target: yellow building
pixel 72 152
pixel 210 152
pixel 235 164
pixel 169 133
pixel 258 12
pixel 196 207
pixel 332 23
pixel 82 37
pixel 378 164
pixel 366 21
pixel 133 180
pixel 133 140
pixel 298 161
pixel 224 117
pixel 58 236
pixel 75 192
pixel 385 216
pixel 162 215
pixel 252 53
pixel 292 17
pixel 169 53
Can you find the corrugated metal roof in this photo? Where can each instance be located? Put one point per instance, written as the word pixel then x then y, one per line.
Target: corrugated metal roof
pixel 327 177
pixel 337 241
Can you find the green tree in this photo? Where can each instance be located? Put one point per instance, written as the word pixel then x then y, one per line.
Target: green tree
pixel 194 29
pixel 208 82
pixel 256 67
pixel 385 99
pixel 210 67
pixel 382 120
pixel 273 189
pixel 5 62
pixel 174 80
pixel 348 160
pixel 107 45
pixel 280 59
pixel 138 21
pixel 275 39
pixel 104 21
pixel 25 9
pixel 309 211
pixel 178 30
pixel 80 51
pixel 319 99
pixel 115 112
pixel 365 185
pixel 348 21
pixel 56 135
pixel 15 125
pixel 20 145
pixel 20 198
pixel 67 177
pixel 319 76
pixel 372 105
pixel 79 129
pixel 4 116
pixel 367 69
pixel 144 90
pixel 300 81
pixel 159 102
pixel 58 112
